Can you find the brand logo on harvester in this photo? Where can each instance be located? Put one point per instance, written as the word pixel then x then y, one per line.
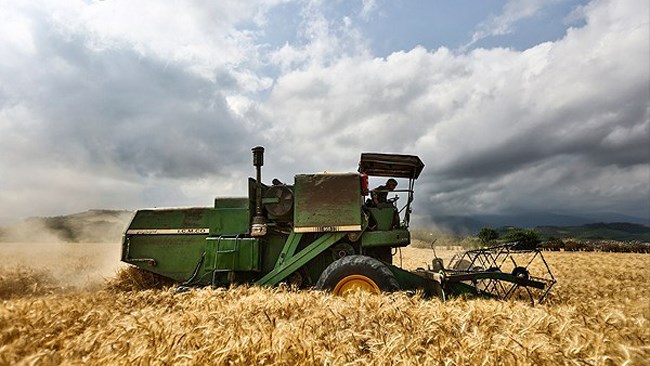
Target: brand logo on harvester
pixel 193 231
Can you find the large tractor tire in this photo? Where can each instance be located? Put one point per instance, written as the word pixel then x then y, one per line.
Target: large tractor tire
pixel 357 273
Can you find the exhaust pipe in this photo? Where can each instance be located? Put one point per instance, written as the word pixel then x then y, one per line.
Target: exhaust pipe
pixel 258 227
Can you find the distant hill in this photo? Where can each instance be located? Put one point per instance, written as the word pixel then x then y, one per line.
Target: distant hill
pixel 621 231
pixel 88 226
pixel 470 225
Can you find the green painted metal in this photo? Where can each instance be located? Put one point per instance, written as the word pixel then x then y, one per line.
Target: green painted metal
pixel 171 242
pixel 327 201
pixel 168 242
pixel 409 281
pixel 218 221
pixel 289 248
pixel 393 238
pixel 301 258
pixel 232 254
pixel 232 202
pixel 230 221
pixel 173 256
pixel 231 216
pixel 502 276
pixel 173 218
pixel 383 217
pixel 270 249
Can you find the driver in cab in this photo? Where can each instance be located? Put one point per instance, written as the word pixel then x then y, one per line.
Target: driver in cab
pixel 379 195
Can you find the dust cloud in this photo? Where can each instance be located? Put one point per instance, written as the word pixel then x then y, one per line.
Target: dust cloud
pixel 42 267
pixel 38 258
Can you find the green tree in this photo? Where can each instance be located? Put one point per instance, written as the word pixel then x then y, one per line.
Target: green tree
pixel 526 239
pixel 487 235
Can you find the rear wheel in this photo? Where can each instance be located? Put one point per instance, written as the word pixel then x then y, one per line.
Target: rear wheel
pixel 357 273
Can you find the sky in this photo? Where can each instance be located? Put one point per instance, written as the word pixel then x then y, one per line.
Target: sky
pixel 514 106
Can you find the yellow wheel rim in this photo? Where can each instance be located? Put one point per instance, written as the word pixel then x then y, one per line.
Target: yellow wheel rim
pixel 353 283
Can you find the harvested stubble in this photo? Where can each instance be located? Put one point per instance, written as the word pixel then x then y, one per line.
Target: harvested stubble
pixel 598 315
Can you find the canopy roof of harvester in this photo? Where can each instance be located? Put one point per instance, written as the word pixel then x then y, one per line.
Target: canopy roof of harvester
pixel 390 165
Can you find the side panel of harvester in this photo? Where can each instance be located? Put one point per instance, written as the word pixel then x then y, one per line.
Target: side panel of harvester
pixel 172 241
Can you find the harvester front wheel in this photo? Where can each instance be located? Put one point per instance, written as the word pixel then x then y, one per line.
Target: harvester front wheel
pixel 357 273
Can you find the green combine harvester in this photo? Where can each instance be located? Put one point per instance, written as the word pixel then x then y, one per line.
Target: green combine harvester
pixel 320 232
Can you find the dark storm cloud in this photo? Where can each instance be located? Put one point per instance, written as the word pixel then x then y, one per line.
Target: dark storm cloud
pixel 539 145
pixel 86 122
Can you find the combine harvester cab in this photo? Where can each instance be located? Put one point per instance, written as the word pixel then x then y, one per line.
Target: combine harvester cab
pixel 317 232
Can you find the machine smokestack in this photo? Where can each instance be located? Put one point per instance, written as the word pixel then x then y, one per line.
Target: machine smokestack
pixel 258 228
pixel 258 156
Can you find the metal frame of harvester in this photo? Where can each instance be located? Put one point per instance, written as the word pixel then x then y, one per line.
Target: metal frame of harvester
pixel 319 232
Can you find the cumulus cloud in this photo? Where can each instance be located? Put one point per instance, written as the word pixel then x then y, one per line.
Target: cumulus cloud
pixel 494 123
pixel 107 105
pixel 322 40
pixel 513 12
pixel 201 36
pixel 368 7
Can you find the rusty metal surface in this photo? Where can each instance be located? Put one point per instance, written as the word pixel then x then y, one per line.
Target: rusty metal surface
pixel 391 165
pixel 327 200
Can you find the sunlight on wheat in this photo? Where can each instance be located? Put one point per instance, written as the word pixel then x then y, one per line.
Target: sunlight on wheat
pixel 598 314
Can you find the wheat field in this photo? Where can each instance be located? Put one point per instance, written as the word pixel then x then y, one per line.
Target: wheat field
pixel 66 304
